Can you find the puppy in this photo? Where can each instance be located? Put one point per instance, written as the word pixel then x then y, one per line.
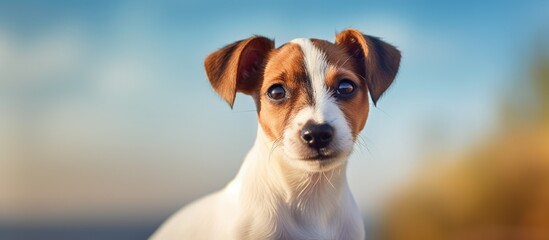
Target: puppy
pixel 312 102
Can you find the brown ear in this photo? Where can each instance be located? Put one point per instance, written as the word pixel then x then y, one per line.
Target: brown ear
pixel 238 66
pixel 377 60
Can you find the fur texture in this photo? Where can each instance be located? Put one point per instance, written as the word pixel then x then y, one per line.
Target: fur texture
pixel 287 189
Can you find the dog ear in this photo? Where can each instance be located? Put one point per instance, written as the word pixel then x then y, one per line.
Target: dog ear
pixel 238 66
pixel 377 60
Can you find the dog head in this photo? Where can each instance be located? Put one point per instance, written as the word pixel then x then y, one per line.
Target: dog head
pixel 311 95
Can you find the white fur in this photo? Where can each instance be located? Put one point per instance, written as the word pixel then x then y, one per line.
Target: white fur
pixel 324 110
pixel 275 195
pixel 316 66
pixel 269 199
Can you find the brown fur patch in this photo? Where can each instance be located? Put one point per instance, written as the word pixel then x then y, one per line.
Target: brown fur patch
pixel 284 67
pixel 356 108
pixel 377 61
pixel 343 66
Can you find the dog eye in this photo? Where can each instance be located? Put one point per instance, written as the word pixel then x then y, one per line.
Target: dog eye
pixel 345 89
pixel 276 92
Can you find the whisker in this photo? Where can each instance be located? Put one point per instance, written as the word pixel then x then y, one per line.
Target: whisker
pixel 362 145
pixel 360 141
pixel 385 113
pixel 365 145
pixel 274 146
pixel 306 183
pixel 346 60
pixel 324 174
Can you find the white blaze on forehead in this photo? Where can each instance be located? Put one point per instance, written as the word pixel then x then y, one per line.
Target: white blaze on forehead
pixel 316 67
pixel 324 110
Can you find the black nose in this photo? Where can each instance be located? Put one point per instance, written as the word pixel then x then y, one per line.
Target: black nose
pixel 317 135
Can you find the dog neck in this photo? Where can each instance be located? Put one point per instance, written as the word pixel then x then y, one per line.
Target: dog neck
pixel 289 197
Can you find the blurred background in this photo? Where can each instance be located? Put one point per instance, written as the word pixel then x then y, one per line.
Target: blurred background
pixel 108 123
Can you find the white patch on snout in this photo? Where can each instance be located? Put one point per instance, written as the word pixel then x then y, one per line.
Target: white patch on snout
pixel 323 110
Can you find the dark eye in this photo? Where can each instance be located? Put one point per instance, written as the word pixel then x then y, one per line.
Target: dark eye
pixel 345 89
pixel 276 92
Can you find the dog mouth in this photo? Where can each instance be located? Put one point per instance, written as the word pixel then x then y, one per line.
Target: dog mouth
pixel 315 159
pixel 320 155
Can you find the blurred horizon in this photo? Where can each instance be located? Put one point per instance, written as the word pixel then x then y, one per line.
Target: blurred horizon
pixel 106 115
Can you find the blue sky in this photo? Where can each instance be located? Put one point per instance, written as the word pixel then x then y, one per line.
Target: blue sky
pixel 97 87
